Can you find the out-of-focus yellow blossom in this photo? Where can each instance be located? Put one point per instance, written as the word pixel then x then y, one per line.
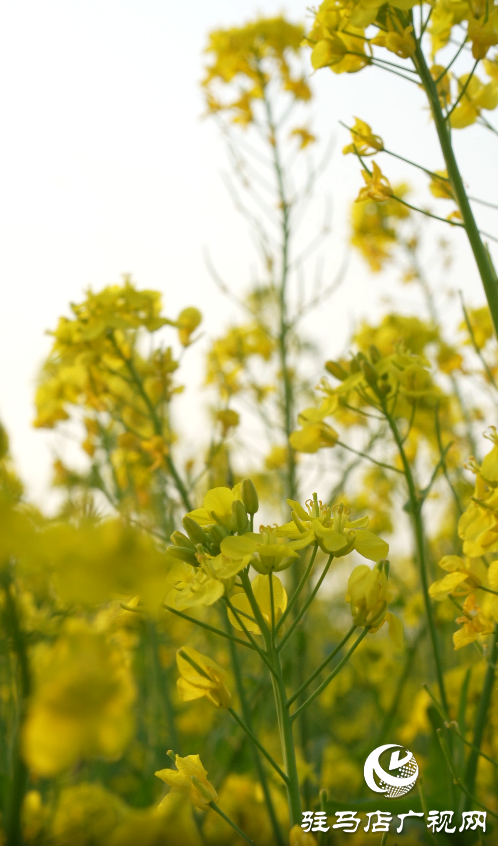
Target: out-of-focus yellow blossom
pixel 228 418
pixel 482 327
pixel 377 186
pixel 34 816
pixel 364 142
pixel 261 589
pixel 201 676
pixel 249 56
pixel 190 779
pixel 402 43
pixel 188 320
pixel 298 837
pixel 277 458
pixel 473 623
pixel 85 814
pixel 369 595
pixel 82 701
pixel 477 96
pixel 375 227
pixel 269 551
pixel 441 188
pixel 94 563
pixel 230 355
pixel 304 135
pixel 483 32
pixel 332 530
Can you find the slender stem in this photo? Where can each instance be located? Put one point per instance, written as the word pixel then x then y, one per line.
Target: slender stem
pixel 476 346
pixel 258 745
pixel 308 602
pixel 369 457
pixel 297 592
pixel 331 676
pixel 232 824
pixel 454 728
pixel 464 89
pixel 19 778
pixel 418 530
pixel 482 712
pixel 237 614
pixel 246 712
pixel 182 490
pixel 322 666
pixel 210 628
pixel 483 261
pixel 456 778
pixel 287 741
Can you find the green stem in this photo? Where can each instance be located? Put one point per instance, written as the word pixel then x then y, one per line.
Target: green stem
pixel 307 604
pixel 298 590
pixel 418 530
pixel 182 490
pixel 483 261
pixel 258 745
pixel 456 778
pixel 210 628
pixel 322 666
pixel 331 676
pixel 13 831
pixel 232 824
pixel 482 713
pixel 287 741
pixel 246 712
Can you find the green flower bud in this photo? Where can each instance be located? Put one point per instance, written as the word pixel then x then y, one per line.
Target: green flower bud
pixel 240 516
pixel 181 553
pixel 336 369
pixel 250 497
pixel 195 532
pixel 375 354
pixel 179 539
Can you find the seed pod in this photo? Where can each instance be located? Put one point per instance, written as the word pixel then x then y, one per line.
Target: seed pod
pixel 240 516
pixel 250 496
pixel 336 369
pixel 195 532
pixel 179 539
pixel 181 553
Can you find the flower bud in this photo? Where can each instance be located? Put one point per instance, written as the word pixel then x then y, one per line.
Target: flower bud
pixel 195 532
pixel 369 372
pixel 375 354
pixel 336 369
pixel 250 497
pixel 240 516
pixel 181 553
pixel 179 539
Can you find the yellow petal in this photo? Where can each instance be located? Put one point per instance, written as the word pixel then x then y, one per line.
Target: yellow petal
pixel 441 589
pixel 370 546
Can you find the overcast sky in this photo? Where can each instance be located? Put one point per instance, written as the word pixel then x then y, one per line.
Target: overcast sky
pixel 107 168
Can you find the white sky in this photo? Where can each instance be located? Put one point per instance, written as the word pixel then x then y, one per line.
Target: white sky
pixel 106 168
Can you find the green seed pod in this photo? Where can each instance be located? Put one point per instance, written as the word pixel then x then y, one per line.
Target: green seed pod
pixel 181 553
pixel 336 369
pixel 250 497
pixel 179 539
pixel 195 532
pixel 240 516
